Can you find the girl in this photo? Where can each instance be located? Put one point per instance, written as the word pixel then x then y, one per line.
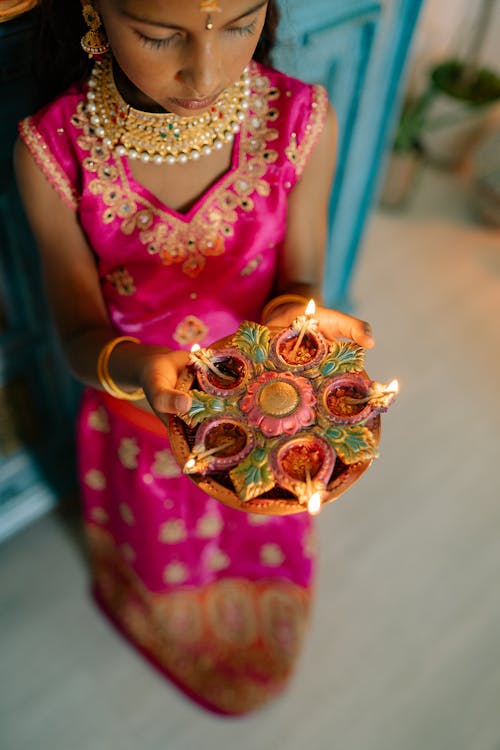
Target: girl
pixel 177 188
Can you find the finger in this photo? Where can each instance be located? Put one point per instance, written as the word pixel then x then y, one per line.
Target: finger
pixel 163 394
pixel 363 334
pixel 340 325
pixel 171 401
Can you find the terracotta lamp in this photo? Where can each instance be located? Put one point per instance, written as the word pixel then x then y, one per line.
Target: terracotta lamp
pixel 282 421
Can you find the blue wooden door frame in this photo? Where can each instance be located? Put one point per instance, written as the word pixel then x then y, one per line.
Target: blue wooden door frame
pixel 357 49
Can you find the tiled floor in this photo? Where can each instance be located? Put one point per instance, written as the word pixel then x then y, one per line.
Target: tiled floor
pixel 404 647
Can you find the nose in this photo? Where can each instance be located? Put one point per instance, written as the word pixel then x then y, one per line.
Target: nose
pixel 201 68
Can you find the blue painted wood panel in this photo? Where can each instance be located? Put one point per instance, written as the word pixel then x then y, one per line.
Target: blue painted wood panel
pixel 357 50
pixel 36 392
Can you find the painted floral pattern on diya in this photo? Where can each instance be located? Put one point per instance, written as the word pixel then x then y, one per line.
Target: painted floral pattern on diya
pixel 279 403
pixel 270 436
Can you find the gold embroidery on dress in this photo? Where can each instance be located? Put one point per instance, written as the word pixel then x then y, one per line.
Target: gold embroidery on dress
pixel 218 560
pixel 232 642
pixel 95 479
pixel 122 281
pixel 251 266
pixel 292 150
pixel 299 154
pixel 47 163
pixel 98 420
pixel 272 555
pixel 172 239
pixel 127 452
pixel 209 525
pixel 173 531
pixel 99 515
pixel 126 514
pixel 175 572
pixel 190 330
pixel 165 465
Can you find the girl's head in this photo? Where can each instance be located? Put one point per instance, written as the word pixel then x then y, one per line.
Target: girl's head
pixel 171 52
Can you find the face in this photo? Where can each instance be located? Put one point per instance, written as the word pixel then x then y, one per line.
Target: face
pixel 170 60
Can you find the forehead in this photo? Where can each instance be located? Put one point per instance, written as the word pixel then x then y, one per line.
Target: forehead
pixel 175 11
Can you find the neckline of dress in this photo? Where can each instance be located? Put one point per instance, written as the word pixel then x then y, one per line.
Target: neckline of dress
pixel 187 216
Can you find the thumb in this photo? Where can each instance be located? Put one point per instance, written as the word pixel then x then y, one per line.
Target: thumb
pixel 164 396
pixel 171 401
pixel 341 325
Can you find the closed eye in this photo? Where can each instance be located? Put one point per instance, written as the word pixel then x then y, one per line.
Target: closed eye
pixel 152 42
pixel 247 30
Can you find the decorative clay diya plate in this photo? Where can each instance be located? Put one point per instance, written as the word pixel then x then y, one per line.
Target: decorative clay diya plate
pixel 281 421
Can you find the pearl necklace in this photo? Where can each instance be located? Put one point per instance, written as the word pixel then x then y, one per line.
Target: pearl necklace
pixel 162 138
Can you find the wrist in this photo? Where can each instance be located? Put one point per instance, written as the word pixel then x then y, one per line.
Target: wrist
pixel 106 380
pixel 279 301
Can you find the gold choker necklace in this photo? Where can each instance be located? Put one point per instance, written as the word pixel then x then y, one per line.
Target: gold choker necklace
pixel 162 138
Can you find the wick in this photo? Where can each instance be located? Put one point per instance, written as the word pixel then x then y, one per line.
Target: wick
pixel 361 400
pixel 202 357
pixel 309 312
pixel 380 393
pixel 303 330
pixel 308 481
pixel 200 456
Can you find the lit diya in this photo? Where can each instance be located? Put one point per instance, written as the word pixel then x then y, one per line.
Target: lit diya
pixel 352 398
pixel 228 374
pixel 300 346
pixel 303 464
pixel 220 444
pixel 281 421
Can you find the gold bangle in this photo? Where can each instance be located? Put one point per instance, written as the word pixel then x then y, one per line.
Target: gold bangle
pixel 282 299
pixel 104 377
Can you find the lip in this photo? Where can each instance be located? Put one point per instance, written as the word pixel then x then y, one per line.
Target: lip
pixel 194 105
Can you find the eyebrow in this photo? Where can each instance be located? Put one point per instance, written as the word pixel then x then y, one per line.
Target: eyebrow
pixel 164 25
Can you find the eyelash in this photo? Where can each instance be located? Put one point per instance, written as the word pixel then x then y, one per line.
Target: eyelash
pixel 243 30
pixel 148 41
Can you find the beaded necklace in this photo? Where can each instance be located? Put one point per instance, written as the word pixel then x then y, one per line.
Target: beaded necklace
pixel 162 138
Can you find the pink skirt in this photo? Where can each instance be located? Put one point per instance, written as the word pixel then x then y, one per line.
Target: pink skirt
pixel 216 598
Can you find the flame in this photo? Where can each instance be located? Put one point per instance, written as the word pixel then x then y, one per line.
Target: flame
pixel 195 348
pixel 190 464
pixel 314 504
pixel 311 308
pixel 393 387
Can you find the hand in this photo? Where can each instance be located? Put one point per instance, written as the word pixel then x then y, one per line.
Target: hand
pixel 332 323
pixel 159 376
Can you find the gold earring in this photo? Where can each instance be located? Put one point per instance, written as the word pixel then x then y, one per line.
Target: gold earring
pixel 94 42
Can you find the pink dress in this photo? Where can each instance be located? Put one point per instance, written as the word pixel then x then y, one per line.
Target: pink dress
pixel 216 598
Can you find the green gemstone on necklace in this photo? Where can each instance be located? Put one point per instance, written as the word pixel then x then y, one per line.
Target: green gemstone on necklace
pixel 163 135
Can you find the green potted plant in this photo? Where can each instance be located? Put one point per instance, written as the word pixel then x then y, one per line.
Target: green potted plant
pixel 464 95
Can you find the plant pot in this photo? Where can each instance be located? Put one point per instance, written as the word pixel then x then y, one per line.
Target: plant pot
pixel 403 168
pixel 485 183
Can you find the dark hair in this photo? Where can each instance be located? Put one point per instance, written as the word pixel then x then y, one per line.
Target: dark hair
pixel 60 60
